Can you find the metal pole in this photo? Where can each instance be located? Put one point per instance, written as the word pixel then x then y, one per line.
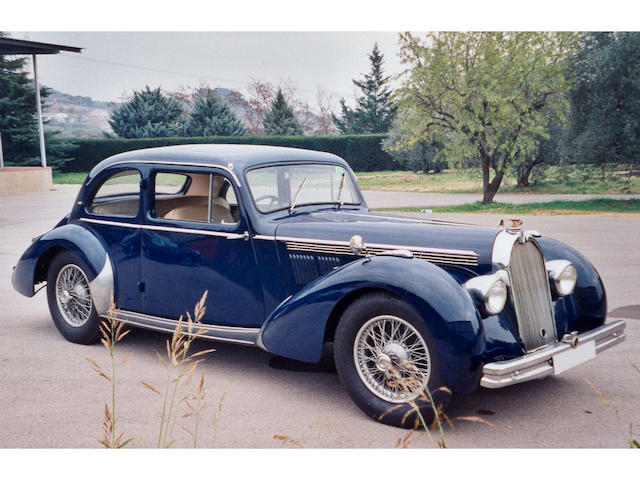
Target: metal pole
pixel 43 153
pixel 1 155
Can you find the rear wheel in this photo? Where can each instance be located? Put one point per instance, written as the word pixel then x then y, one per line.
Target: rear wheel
pixel 70 301
pixel 387 361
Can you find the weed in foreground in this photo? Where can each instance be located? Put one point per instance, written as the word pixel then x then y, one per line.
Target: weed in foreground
pixel 411 381
pixel 112 332
pixel 286 440
pixel 613 412
pixel 216 418
pixel 180 365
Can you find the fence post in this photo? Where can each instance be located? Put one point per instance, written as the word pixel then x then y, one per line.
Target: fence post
pixel 1 155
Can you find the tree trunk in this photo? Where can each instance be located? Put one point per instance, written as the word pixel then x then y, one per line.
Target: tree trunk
pixel 523 173
pixel 489 188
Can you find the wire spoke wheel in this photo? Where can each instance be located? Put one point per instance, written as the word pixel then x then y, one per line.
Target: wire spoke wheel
pixel 73 296
pixel 392 359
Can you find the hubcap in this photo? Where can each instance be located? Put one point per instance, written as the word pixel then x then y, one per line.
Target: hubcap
pixel 73 296
pixel 392 359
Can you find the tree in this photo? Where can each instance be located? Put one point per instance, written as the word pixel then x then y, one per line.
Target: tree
pixel 19 121
pixel 211 117
pixel 279 120
pixel 419 155
pixel 147 114
pixel 374 111
pixel 485 95
pixel 605 123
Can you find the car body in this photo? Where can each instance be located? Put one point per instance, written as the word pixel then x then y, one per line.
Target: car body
pixel 292 259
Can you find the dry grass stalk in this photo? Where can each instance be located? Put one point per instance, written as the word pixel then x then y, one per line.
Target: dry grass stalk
pixel 613 411
pixel 413 384
pixel 180 365
pixel 286 439
pixel 112 333
pixel 216 417
pixel 195 406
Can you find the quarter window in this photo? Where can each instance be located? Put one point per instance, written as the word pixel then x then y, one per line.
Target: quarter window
pixel 119 195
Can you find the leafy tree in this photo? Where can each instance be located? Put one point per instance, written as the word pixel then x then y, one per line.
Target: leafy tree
pixel 485 95
pixel 211 117
pixel 374 111
pixel 279 119
pixel 19 120
pixel 147 114
pixel 606 99
pixel 419 155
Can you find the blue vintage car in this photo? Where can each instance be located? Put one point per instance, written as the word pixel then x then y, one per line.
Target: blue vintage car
pixel 293 259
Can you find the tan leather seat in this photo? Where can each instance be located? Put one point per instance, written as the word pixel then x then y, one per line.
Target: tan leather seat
pixel 199 213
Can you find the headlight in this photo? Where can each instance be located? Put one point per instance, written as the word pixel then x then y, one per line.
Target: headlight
pixel 562 276
pixel 489 293
pixel 496 298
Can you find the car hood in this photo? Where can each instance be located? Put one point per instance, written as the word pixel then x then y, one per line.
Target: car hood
pixel 387 231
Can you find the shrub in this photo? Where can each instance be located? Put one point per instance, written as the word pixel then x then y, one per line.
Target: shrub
pixel 362 152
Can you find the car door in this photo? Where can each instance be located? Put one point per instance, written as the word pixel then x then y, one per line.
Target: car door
pixel 114 211
pixel 196 238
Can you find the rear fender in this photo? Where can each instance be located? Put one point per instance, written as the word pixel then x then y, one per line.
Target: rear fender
pixel 33 265
pixel 296 328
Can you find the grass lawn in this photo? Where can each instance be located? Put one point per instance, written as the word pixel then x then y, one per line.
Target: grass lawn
pixel 571 179
pixel 547 208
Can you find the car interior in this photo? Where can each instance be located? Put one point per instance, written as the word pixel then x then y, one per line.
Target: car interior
pixel 177 196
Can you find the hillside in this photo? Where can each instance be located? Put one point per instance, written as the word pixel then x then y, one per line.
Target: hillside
pixel 75 115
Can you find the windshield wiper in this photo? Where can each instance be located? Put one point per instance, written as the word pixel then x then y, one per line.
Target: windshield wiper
pixel 340 201
pixel 295 197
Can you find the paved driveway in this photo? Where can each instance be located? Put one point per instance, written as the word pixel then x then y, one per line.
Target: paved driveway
pixel 51 398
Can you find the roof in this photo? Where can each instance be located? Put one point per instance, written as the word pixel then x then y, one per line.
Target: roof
pixel 12 46
pixel 240 157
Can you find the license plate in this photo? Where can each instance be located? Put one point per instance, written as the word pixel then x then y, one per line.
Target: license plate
pixel 574 356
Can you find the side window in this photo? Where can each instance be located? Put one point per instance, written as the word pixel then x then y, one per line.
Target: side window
pixel 194 197
pixel 119 195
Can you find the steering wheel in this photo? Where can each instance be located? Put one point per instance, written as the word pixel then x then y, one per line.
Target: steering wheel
pixel 273 198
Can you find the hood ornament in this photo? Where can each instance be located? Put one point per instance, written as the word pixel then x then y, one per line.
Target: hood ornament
pixel 516 223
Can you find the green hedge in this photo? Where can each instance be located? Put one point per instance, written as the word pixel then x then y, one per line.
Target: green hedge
pixel 362 152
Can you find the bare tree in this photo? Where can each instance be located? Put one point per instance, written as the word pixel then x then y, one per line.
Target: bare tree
pixel 326 102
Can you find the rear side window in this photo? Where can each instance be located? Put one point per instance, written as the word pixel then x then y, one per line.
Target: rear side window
pixel 119 195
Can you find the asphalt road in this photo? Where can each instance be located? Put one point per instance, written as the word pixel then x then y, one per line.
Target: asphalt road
pixel 50 397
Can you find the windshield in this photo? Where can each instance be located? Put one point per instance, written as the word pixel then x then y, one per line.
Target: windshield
pixel 285 186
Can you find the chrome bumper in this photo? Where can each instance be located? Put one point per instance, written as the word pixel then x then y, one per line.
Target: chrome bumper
pixel 540 363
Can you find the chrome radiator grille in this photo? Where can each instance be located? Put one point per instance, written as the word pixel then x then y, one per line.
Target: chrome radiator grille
pixel 531 296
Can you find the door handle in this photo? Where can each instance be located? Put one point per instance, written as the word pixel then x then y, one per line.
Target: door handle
pixel 239 236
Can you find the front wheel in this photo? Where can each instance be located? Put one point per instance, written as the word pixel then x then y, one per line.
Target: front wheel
pixel 387 361
pixel 70 301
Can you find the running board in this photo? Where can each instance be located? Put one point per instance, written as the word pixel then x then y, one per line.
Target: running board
pixel 221 333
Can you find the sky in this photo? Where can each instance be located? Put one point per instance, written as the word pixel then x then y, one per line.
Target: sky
pixel 115 63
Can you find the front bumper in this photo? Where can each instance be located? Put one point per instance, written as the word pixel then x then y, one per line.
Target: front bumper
pixel 540 363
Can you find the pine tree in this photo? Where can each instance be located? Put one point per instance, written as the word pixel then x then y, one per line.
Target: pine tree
pixel 148 114
pixel 374 111
pixel 19 121
pixel 211 117
pixel 279 120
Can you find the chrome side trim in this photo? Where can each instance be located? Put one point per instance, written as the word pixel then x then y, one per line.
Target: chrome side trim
pixel 101 287
pixel 109 222
pixel 540 363
pixel 335 247
pixel 222 333
pixel 229 235
pixel 186 164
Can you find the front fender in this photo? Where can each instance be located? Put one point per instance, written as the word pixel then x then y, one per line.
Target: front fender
pixel 586 308
pixel 78 240
pixel 296 328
